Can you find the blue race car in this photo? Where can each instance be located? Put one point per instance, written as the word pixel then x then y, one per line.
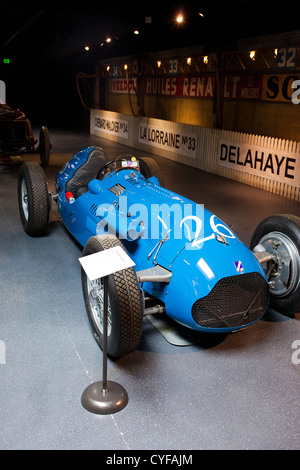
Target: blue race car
pixel 188 263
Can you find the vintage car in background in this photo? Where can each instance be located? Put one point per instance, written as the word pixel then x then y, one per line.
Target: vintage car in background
pixel 16 137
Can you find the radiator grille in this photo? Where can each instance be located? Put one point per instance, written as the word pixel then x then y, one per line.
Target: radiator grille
pixel 234 301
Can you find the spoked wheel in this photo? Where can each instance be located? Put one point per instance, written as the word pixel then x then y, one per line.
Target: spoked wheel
pixel 125 306
pixel 44 146
pixel 279 235
pixel 95 291
pixel 33 198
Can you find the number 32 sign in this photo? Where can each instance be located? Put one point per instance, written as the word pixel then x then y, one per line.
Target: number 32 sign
pixel 287 57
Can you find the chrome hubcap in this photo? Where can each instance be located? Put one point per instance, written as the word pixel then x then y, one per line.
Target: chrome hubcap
pixel 284 276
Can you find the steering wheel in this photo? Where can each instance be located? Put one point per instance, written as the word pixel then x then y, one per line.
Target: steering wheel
pixel 122 156
pixel 103 168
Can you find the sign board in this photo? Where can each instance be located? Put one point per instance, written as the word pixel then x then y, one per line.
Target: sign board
pixel 117 127
pixel 279 87
pixel 277 165
pixel 103 263
pixel 189 87
pixel 175 139
pixel 243 87
pixel 122 86
pixel 287 57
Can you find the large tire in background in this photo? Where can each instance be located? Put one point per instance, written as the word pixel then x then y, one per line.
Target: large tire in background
pixel 149 167
pixel 125 305
pixel 280 236
pixel 33 198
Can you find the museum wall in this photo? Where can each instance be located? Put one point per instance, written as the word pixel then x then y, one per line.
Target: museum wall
pixel 251 89
pixel 280 120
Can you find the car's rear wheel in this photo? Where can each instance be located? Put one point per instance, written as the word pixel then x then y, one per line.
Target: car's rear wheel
pixel 279 235
pixel 149 167
pixel 125 306
pixel 33 198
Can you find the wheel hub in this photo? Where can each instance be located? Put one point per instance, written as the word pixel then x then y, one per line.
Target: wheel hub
pixel 283 273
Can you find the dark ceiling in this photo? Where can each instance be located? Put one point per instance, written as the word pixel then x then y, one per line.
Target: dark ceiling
pixel 45 33
pixel 45 44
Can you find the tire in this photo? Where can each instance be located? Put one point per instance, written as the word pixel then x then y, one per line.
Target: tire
pixel 44 146
pixel 125 307
pixel 280 235
pixel 30 139
pixel 150 167
pixel 33 199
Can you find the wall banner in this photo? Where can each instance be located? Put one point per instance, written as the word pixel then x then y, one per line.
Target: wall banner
pixel 175 139
pixel 243 87
pixel 120 85
pixel 236 87
pixel 276 165
pixel 276 87
pixel 116 127
pixel 279 87
pixel 190 87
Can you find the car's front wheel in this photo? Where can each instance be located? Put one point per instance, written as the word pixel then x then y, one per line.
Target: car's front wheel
pixel 279 235
pixel 125 306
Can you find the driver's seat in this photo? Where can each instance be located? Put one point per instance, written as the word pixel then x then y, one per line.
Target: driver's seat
pixel 78 183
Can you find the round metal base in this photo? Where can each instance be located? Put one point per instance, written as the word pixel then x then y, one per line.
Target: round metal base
pixel 103 402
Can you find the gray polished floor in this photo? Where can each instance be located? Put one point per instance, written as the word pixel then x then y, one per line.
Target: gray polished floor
pixel 238 391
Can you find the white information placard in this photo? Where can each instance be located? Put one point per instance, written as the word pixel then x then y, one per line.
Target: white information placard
pixel 105 262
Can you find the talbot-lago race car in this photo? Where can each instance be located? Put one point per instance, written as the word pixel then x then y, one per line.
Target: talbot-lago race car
pixel 188 263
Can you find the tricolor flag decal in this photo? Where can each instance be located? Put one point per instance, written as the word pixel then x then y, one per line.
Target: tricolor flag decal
pixel 238 266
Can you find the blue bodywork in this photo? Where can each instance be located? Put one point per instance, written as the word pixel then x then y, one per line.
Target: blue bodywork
pixel 212 271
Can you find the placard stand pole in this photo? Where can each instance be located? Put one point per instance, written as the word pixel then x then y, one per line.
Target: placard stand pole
pixel 104 397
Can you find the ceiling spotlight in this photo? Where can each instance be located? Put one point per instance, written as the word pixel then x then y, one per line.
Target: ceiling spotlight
pixel 136 32
pixel 108 39
pixel 179 19
pixel 86 48
pixel 201 14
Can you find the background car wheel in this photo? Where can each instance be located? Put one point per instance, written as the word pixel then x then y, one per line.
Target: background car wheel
pixel 280 236
pixel 125 306
pixel 44 146
pixel 149 167
pixel 33 198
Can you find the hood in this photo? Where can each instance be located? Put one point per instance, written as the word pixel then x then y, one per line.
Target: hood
pixel 167 220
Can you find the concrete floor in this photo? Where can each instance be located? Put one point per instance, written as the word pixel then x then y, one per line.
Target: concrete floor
pixel 238 391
